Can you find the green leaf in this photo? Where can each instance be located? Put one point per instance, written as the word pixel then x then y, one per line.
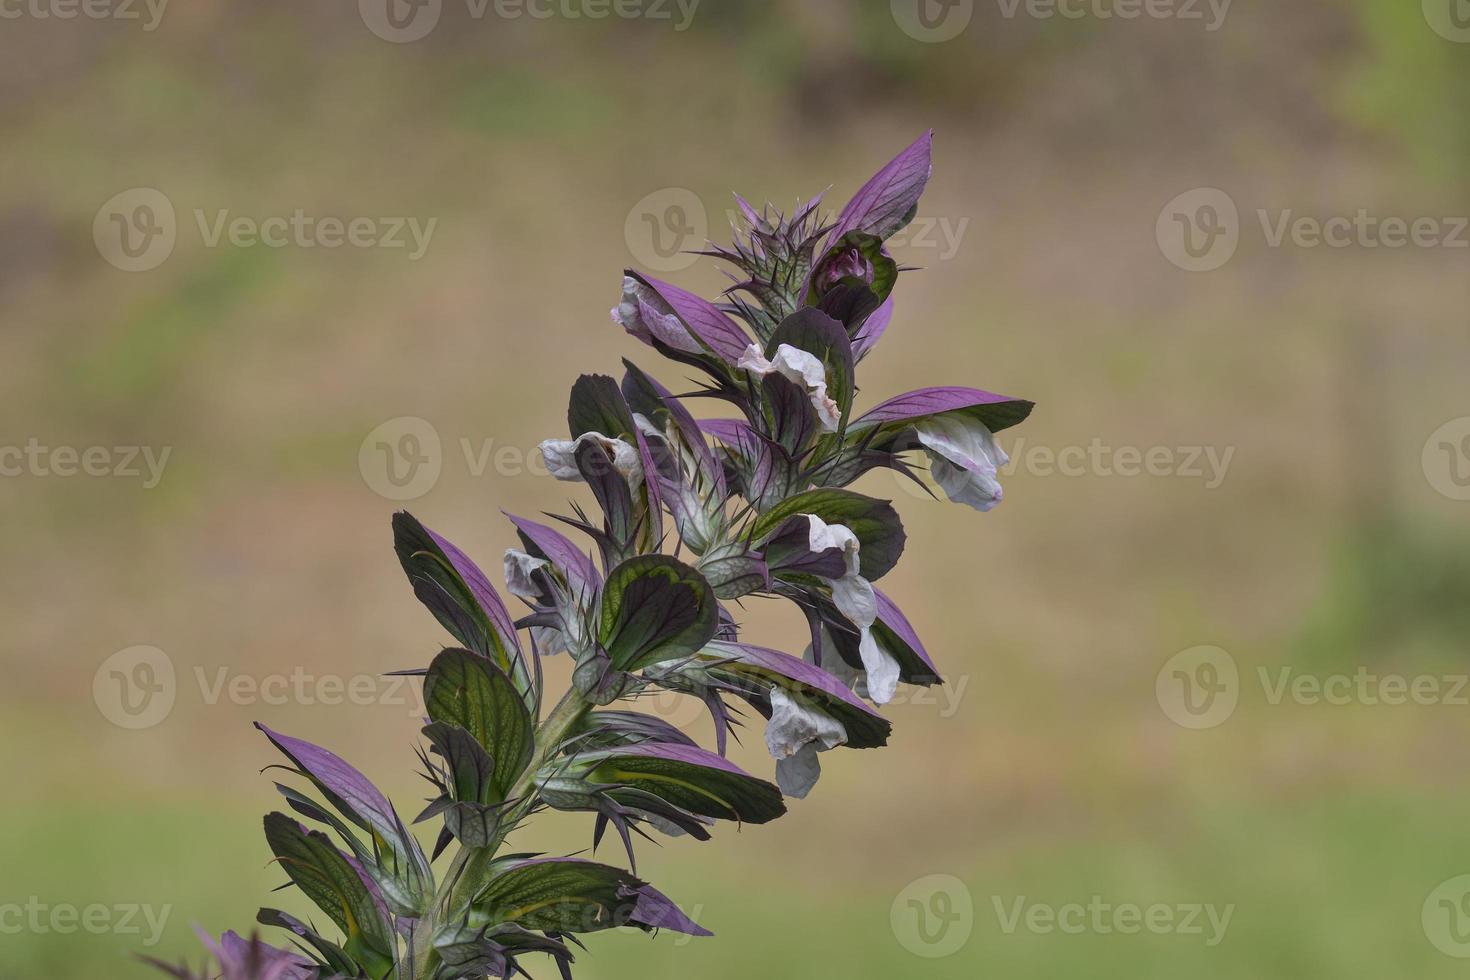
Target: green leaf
pixel 331 954
pixel 874 521
pixel 567 895
pixel 732 571
pixel 470 804
pixel 470 692
pixel 456 591
pixel 690 778
pixel 329 880
pixel 597 405
pixel 655 608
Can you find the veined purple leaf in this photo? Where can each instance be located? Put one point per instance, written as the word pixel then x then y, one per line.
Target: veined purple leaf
pixel 996 411
pixel 655 910
pixel 608 728
pixel 731 431
pixel 348 790
pixel 702 318
pixel 456 592
pixel 872 329
pixel 893 626
pixel 480 585
pixel 557 894
pixel 325 875
pixel 556 548
pixel 691 778
pixel 639 387
pixel 866 728
pixel 887 201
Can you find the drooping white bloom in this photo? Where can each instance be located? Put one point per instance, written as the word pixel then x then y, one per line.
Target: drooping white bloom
pixel 561 457
pixel 964 459
pixel 801 368
pixel 643 314
pixel 854 597
pixel 795 734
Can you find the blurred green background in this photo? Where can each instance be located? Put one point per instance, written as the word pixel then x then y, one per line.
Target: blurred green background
pixel 1052 772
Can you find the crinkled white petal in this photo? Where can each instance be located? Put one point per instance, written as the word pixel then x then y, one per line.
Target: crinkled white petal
pixel 799 367
pixel 795 734
pixel 795 723
pixel 822 536
pixel 561 457
pixel 519 569
pixel 881 669
pixel 854 597
pixel 964 459
pixel 798 773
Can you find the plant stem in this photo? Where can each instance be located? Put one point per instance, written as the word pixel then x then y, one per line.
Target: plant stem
pixel 466 872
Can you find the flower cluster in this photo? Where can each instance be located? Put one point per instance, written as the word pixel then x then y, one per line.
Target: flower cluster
pixel 692 515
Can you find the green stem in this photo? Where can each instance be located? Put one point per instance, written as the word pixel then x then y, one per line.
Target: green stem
pixel 466 872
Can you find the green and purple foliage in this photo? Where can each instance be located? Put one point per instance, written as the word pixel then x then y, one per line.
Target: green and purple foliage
pixel 757 508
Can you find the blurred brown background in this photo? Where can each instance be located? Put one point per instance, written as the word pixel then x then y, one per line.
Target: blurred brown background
pixel 1303 405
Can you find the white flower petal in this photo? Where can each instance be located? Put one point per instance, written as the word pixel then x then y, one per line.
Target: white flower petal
pixel 796 723
pixel 643 314
pixel 964 459
pixel 519 568
pixel 797 774
pixel 795 734
pixel 882 670
pixel 561 457
pixel 799 367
